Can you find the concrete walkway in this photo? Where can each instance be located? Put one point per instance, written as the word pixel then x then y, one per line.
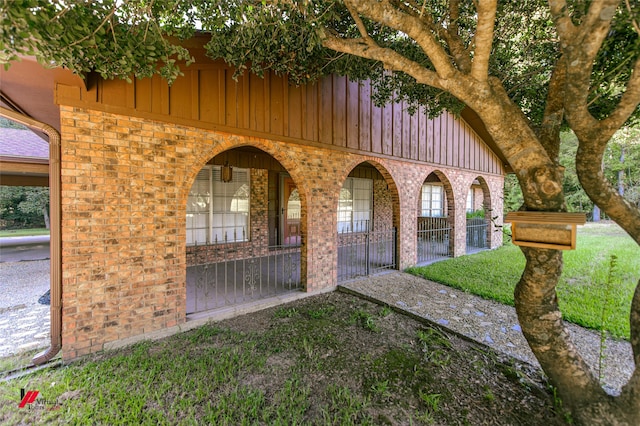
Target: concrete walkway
pixel 485 321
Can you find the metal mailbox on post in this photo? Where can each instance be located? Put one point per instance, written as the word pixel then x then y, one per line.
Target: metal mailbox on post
pixel 553 230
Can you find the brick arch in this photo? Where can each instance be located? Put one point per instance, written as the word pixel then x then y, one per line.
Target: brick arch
pixel 384 170
pixel 230 142
pixel 451 202
pixel 486 194
pixel 218 144
pixel 486 205
pixel 227 143
pixel 448 189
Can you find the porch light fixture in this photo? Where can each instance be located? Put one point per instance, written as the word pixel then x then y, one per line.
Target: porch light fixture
pixel 226 174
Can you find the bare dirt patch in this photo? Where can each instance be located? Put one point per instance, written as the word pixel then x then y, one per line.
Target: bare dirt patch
pixel 405 371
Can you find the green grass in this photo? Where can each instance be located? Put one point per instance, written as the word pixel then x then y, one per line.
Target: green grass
pixel 23 232
pixel 581 290
pixel 308 362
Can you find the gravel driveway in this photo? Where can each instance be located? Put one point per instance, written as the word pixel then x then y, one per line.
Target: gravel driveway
pixel 24 323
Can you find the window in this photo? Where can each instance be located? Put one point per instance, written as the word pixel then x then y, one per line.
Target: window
pixel 432 201
pixel 354 205
pixel 218 212
pixel 470 201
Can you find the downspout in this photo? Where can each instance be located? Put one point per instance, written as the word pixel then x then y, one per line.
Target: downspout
pixel 55 230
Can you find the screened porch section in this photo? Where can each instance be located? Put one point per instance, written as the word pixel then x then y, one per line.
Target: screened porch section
pixel 478 217
pixel 434 222
pixel 243 233
pixel 367 238
pixel 226 275
pixel 434 239
pixel 478 235
pixel 365 252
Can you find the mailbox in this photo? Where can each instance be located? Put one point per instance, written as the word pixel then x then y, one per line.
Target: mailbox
pixel 553 230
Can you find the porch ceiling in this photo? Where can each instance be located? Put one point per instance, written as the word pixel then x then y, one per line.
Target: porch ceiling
pixel 28 88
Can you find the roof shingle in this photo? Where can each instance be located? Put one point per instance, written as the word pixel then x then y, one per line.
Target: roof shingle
pixel 21 143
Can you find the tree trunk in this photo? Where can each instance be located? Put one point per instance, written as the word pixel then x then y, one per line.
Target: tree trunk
pixel 537 305
pixel 45 213
pixel 542 325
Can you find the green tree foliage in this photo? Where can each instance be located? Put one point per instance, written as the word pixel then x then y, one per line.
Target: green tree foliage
pixel 111 37
pixel 513 198
pixel 9 124
pixel 24 207
pixel 625 141
pixel 121 39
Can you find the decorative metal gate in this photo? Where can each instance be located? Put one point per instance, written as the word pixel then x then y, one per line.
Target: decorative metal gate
pixel 228 275
pixel 433 239
pixel 365 253
pixel 477 233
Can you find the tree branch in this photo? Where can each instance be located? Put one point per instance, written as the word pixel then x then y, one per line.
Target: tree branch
pixel 483 39
pixel 361 27
pixel 389 57
pixel 102 24
pixel 384 13
pixel 562 20
pixel 580 45
pixel 595 27
pixel 451 35
pixel 553 116
pixel 579 56
pixel 629 101
pixel 634 22
pixel 589 169
pixel 634 322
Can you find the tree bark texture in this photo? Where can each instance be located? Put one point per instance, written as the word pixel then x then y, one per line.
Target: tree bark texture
pixel 534 158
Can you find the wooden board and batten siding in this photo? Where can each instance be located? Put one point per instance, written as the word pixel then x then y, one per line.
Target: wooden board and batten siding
pixel 334 112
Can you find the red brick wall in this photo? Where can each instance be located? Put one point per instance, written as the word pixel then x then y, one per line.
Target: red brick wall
pixel 125 183
pixel 382 206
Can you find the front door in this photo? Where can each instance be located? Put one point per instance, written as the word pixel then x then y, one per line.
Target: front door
pixel 291 234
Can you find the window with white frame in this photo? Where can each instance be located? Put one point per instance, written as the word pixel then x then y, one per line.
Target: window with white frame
pixel 354 205
pixel 218 212
pixel 470 201
pixel 432 201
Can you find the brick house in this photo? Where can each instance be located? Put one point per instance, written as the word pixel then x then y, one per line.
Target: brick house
pixel 216 196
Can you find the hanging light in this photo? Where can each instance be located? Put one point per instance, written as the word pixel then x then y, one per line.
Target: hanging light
pixel 227 172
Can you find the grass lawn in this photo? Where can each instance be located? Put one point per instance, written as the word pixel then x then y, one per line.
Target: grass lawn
pixel 330 359
pixel 23 232
pixel 583 285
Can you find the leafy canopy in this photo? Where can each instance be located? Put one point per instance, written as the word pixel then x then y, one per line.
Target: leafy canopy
pixel 125 38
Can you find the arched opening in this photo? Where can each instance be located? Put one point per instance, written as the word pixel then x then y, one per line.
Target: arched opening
pixel 478 214
pixel 368 213
pixel 243 231
pixel 30 262
pixel 436 219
